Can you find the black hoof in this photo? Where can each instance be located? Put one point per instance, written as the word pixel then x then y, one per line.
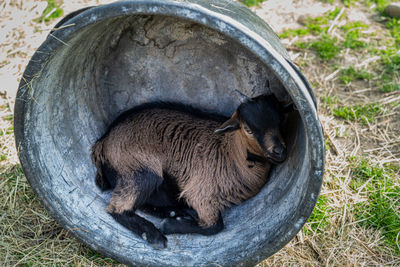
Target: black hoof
pixel 156 239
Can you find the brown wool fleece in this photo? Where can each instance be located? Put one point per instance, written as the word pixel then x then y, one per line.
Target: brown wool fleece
pixel 210 169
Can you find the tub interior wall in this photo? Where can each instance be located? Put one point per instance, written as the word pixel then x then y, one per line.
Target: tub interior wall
pixel 119 63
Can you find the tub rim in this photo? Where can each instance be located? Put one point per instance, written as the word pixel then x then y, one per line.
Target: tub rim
pixel 204 13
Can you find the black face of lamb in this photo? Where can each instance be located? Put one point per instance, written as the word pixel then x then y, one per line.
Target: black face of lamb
pixel 262 117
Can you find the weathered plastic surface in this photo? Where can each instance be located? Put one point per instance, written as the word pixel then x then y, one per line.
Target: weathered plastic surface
pixel 107 59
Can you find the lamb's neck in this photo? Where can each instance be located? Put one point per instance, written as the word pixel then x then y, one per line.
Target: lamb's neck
pixel 248 162
pixel 247 174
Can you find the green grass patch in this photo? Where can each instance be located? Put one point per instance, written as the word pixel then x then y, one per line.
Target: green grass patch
pixel 327 47
pixel 8 117
pixel 382 209
pixel 315 26
pixel 394 26
pixel 351 41
pixel 52 11
pixel 390 87
pixel 5 133
pixel 390 78
pixel 318 25
pixel 293 33
pixel 319 218
pixel 321 24
pixel 359 113
pixel 391 63
pixel 251 2
pixel 351 74
pixel 380 4
pixel 10 130
pixel 349 3
pixel 302 45
pixel 352 33
pixel 333 14
pixel 329 101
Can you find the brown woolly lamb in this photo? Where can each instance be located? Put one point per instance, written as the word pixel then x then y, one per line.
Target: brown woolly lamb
pixel 171 160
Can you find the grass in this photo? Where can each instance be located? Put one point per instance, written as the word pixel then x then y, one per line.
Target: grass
pixel 8 117
pixel 52 11
pixel 329 101
pixel 390 87
pixel 353 33
pixel 394 26
pixel 359 113
pixel 319 218
pixel 327 47
pixel 390 58
pixel 30 237
pixel 294 32
pixel 10 130
pixel 381 210
pixel 379 186
pixel 349 3
pixel 380 4
pixel 390 72
pixel 250 3
pixel 314 26
pixel 351 74
pixel 317 25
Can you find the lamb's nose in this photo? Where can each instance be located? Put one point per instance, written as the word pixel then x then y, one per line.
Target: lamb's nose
pixel 280 153
pixel 278 150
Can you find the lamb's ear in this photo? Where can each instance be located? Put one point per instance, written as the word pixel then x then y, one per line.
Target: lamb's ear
pixel 230 125
pixel 289 108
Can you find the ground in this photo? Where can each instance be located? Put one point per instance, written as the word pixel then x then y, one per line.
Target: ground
pixel 349 51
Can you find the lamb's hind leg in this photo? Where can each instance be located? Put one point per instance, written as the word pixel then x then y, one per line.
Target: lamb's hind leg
pixel 129 194
pixel 189 226
pixel 164 203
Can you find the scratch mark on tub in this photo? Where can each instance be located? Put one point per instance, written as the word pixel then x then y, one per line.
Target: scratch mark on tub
pixel 58 39
pixel 70 192
pixel 91 202
pixel 219 7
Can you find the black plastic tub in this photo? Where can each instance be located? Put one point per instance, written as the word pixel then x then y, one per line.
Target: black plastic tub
pixel 107 59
